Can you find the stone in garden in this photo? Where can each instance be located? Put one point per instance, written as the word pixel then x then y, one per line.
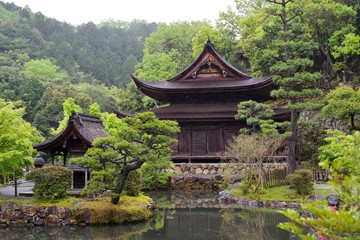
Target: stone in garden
pixel 52 220
pixel 28 210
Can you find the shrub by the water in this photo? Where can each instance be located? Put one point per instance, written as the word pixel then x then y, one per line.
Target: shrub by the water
pixel 51 182
pixel 301 181
pixel 133 184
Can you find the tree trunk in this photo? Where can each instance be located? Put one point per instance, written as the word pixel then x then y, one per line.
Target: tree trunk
pixel 120 185
pixel 122 179
pixel 352 116
pixel 292 142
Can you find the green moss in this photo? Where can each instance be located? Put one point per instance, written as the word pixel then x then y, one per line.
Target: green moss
pixel 130 209
pixel 285 193
pixel 281 193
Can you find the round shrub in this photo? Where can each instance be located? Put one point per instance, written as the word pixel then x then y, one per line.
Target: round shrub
pixel 301 181
pixel 51 182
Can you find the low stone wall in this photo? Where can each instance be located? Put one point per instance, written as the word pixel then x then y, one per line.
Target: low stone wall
pixel 220 168
pixel 13 214
pixel 211 175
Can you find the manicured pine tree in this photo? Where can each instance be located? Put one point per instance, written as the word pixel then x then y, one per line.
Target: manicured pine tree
pixel 291 48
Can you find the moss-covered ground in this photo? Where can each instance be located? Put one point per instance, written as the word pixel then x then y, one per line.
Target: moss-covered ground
pixel 129 209
pixel 284 193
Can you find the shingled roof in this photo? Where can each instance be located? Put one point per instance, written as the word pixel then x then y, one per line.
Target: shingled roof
pixel 196 113
pixel 76 138
pixel 210 76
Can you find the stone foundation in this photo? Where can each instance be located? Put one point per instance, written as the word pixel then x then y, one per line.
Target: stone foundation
pixel 211 175
pixel 220 168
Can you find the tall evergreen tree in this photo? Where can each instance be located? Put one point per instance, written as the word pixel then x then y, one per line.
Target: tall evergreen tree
pixel 292 48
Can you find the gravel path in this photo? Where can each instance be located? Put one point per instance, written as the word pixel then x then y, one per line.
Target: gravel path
pixel 23 187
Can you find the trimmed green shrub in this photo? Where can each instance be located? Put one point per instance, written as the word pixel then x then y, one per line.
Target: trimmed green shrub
pixel 51 182
pixel 133 184
pixel 301 181
pixel 155 175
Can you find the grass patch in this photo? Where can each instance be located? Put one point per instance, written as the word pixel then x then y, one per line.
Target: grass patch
pixel 284 193
pixel 324 190
pixel 281 193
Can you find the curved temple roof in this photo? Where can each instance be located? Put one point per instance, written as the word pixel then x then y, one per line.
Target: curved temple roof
pixel 210 73
pixel 202 112
pixel 80 126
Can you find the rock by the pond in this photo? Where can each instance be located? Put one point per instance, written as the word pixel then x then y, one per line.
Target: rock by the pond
pixel 256 203
pixel 333 200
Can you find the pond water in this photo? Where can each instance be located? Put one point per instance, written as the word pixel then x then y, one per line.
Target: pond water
pixel 173 221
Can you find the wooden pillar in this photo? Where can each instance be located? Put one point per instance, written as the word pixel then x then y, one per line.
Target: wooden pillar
pixel 86 174
pixel 72 179
pixel 16 190
pixel 64 159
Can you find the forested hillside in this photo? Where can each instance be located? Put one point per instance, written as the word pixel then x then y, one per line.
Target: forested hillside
pixel 44 61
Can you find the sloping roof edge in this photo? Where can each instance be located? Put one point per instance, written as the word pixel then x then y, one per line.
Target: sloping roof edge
pixel 76 122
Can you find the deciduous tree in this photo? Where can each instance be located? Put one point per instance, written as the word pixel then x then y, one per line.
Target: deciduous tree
pixel 16 139
pixel 343 103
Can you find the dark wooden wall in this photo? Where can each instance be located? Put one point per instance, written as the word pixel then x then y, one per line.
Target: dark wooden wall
pixel 201 142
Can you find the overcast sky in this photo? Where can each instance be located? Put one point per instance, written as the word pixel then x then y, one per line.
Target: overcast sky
pixel 83 11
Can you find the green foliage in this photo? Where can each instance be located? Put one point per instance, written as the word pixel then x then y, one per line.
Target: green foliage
pixel 155 175
pixel 168 48
pixel 133 184
pixel 343 103
pixel 95 109
pixel 49 110
pixel 205 33
pixel 43 69
pixel 130 210
pixel 345 48
pixel 258 117
pixel 69 107
pixel 16 139
pixel 341 157
pixel 301 181
pixel 51 183
pixel 7 16
pixel 28 176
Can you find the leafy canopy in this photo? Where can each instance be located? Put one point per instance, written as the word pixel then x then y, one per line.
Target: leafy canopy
pixel 343 103
pixel 16 139
pixel 69 107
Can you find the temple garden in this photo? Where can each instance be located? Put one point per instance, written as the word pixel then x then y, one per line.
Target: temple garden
pixel 202 142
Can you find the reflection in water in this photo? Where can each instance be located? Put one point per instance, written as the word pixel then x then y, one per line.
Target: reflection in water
pixel 192 222
pixel 215 224
pixel 178 224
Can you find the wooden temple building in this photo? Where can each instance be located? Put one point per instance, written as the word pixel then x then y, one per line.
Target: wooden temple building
pixel 73 141
pixel 203 99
